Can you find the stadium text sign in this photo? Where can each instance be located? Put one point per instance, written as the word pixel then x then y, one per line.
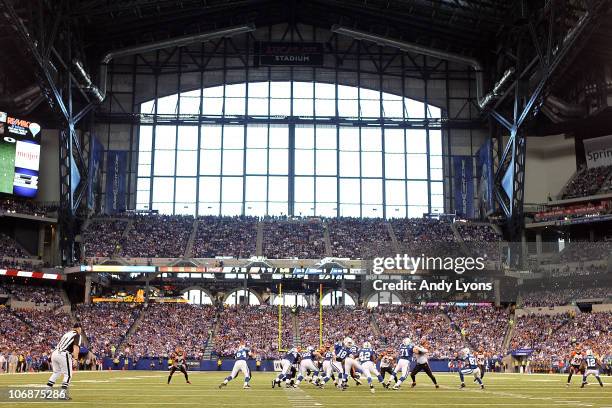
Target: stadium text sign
pixel 286 53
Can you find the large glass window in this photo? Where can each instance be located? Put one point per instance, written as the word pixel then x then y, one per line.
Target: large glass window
pixel 257 162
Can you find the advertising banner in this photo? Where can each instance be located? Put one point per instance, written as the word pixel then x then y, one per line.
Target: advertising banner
pixel 598 151
pixel 464 186
pixel 96 159
pixel 484 175
pixel 19 156
pixel 116 161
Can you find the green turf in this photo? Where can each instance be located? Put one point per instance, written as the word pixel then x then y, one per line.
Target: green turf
pixel 149 389
pixel 7 167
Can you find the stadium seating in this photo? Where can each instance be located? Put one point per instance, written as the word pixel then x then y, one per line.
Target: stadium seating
pixel 102 237
pixel 587 182
pixel 161 236
pixel 225 236
pixel 27 207
pixel 105 325
pixel 165 326
pixel 553 337
pixel 293 238
pixel 359 238
pixel 258 326
pixel 423 325
pixel 9 248
pixel 34 293
pixel 338 323
pixel 481 326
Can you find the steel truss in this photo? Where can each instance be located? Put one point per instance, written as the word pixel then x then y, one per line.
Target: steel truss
pixel 539 47
pixel 44 31
pixel 223 57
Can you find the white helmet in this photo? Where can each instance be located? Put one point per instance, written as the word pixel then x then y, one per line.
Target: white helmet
pixel 348 342
pixel 367 345
pixel 465 351
pixel 406 341
pixel 310 348
pixel 589 352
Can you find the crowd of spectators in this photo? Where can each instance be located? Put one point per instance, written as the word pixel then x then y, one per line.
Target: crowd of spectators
pixel 28 337
pixel 225 236
pixel 359 238
pixel 256 325
pixel 481 239
pixel 293 238
pixel 481 326
pixel 561 297
pixel 423 325
pixel 101 237
pixel 157 236
pixel 105 324
pixel 41 295
pixel 428 236
pixel 587 181
pixel 552 338
pixel 586 251
pixel 165 326
pixel 27 207
pixel 160 236
pixel 9 248
pixel 338 323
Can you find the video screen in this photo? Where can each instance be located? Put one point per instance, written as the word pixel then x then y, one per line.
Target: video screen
pixel 19 156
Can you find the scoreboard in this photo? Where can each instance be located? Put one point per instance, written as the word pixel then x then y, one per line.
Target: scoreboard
pixel 19 156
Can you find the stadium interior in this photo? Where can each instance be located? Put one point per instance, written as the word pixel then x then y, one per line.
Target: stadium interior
pixel 196 174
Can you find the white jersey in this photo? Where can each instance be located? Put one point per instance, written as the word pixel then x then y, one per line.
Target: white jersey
pixel 385 361
pixel 68 341
pixel 421 355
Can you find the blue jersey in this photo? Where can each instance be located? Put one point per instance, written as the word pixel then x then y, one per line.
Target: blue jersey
pixel 470 362
pixel 342 353
pixel 405 352
pixel 242 354
pixel 365 355
pixel 354 351
pixel 591 362
pixel 328 355
pixel 291 356
pixel 307 355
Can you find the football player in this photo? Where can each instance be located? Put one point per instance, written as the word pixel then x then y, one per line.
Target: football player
pixel 575 365
pixel 403 362
pixel 470 366
pixel 422 364
pixel 592 367
pixel 386 361
pixel 367 360
pixel 178 363
pixel 291 357
pixel 307 363
pixel 243 353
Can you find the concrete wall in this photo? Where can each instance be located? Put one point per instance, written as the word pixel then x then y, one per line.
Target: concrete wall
pixel 551 161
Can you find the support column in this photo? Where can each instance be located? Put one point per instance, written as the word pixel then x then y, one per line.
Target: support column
pixel 88 289
pixel 539 243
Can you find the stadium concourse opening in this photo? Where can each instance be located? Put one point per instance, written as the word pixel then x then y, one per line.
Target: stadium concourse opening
pixel 306 203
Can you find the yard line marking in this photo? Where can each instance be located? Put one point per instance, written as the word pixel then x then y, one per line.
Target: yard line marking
pixel 298 398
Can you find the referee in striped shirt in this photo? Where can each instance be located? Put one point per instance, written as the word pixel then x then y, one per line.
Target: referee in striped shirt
pixel 66 352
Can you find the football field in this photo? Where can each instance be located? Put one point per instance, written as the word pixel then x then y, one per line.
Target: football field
pixel 149 388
